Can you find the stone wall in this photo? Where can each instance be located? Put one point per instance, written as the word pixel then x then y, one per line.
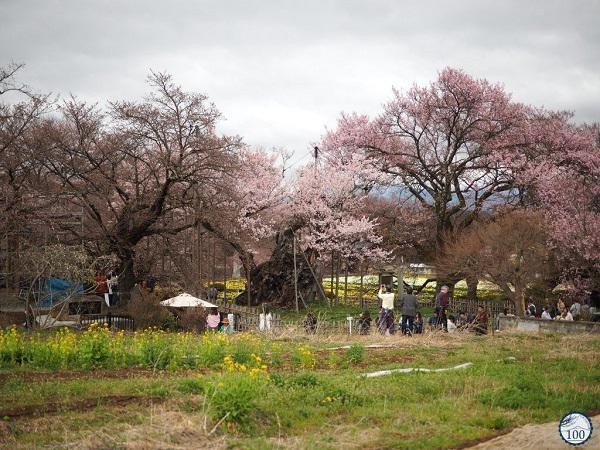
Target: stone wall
pixel 548 326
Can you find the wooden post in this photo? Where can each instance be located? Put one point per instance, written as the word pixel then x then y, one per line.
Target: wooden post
pixel 214 261
pixel 318 282
pixel 362 301
pixel 295 274
pixel 162 257
pixel 247 270
pixel 337 279
pixel 225 275
pixel 346 283
pixel 199 260
pixel 332 271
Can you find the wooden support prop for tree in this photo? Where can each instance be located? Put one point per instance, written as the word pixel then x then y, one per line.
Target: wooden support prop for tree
pixel 337 279
pixel 361 295
pixel 319 284
pixel 346 283
pixel 214 261
pixel 247 271
pixel 332 272
pixel 295 274
pixel 199 243
pixel 225 276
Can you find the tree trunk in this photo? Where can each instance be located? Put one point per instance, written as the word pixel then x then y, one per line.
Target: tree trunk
pixel 272 282
pixel 519 301
pixel 472 288
pixel 126 278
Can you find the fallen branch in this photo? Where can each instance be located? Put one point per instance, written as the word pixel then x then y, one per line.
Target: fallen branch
pixel 383 373
pixel 343 347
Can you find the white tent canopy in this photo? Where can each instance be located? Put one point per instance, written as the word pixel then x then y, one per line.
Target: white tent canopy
pixel 186 300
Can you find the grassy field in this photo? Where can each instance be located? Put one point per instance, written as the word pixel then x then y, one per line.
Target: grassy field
pixel 171 390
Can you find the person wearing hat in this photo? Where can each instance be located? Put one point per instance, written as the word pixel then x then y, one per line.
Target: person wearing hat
pixel 224 326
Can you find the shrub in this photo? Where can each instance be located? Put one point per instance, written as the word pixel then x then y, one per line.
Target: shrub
pixel 242 353
pixel 191 386
pixel 11 347
pixel 340 396
pixel 334 360
pixel 355 353
pixel 94 346
pixel 234 396
pixel 304 379
pixel 147 311
pixel 156 350
pixel 303 356
pixel 59 351
pixel 212 350
pixel 276 357
pixel 193 319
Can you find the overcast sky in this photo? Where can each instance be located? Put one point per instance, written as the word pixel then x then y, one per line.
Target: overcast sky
pixel 281 71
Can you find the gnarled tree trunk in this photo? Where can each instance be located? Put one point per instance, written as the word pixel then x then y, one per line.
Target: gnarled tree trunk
pixel 472 288
pixel 273 281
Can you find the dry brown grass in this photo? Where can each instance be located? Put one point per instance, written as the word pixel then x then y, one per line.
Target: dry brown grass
pixel 166 427
pixel 193 319
pixel 146 310
pixel 429 339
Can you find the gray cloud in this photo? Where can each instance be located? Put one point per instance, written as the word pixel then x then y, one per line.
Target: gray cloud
pixel 280 71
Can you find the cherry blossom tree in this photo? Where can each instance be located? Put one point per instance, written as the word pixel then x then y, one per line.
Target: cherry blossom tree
pixel 317 211
pixel 20 110
pixel 248 205
pixel 438 144
pixel 561 176
pixel 135 170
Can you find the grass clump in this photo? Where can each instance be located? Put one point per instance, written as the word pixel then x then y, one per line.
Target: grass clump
pixel 355 354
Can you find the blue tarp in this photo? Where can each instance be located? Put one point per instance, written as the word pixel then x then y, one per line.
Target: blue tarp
pixel 56 289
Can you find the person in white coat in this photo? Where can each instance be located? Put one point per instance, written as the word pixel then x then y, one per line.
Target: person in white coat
pixel 386 314
pixel 452 324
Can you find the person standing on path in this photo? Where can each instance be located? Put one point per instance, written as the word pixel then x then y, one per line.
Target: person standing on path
pixel 409 305
pixel 386 314
pixel 442 301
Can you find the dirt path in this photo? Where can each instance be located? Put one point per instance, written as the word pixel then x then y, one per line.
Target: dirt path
pixel 81 405
pixel 539 437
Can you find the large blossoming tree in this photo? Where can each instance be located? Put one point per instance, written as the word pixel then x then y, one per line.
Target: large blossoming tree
pixel 562 177
pixel 135 169
pixel 438 144
pixel 316 211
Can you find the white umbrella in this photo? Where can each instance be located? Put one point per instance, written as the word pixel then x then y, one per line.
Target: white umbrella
pixel 186 300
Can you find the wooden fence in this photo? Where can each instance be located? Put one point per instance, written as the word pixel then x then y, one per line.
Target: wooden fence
pixel 248 318
pixel 458 305
pixel 125 323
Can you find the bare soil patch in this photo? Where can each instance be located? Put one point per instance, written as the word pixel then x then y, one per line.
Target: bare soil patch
pixel 80 405
pixel 539 437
